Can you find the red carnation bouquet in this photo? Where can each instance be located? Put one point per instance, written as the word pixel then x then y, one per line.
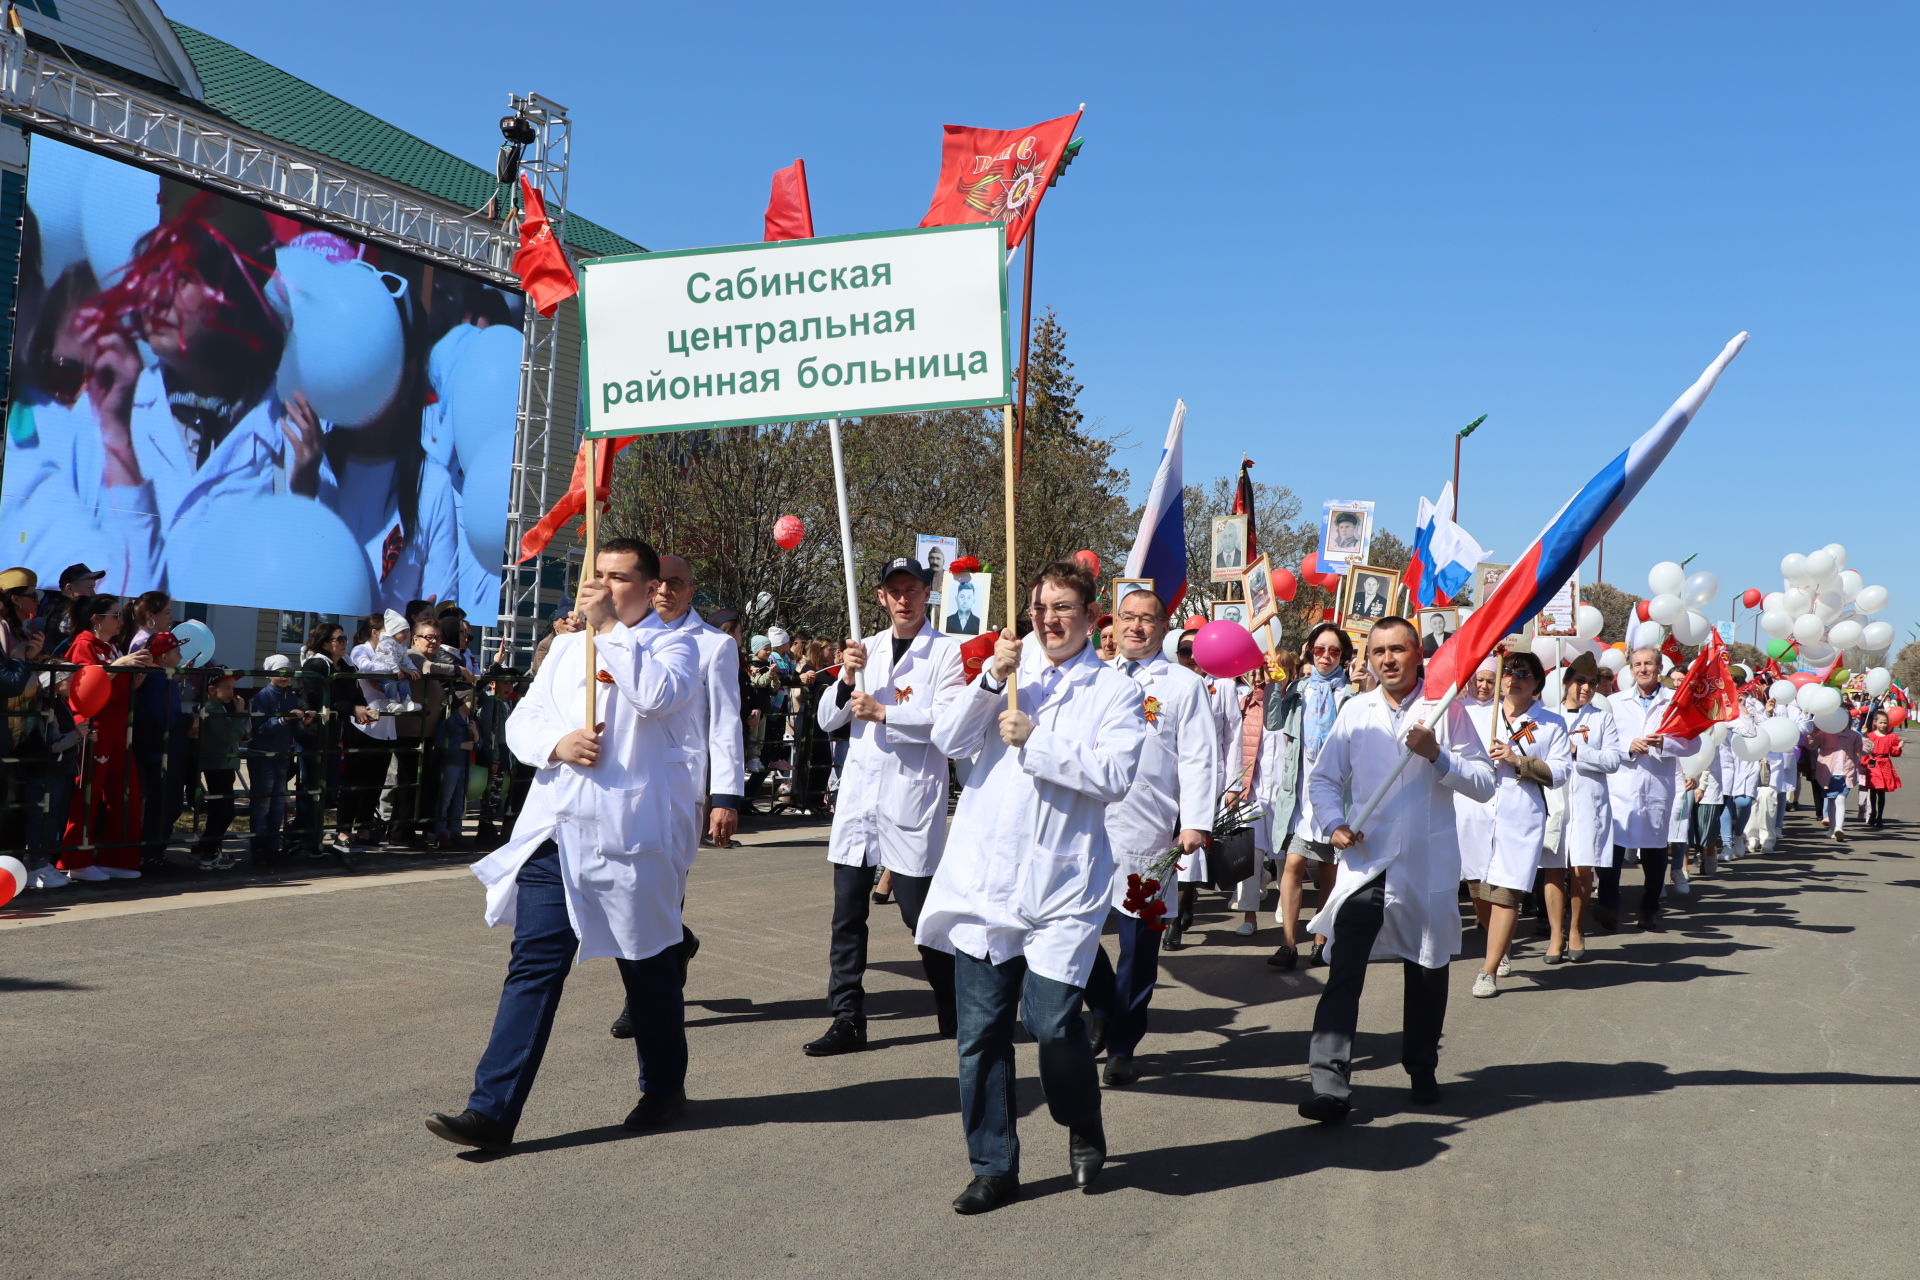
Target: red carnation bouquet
pixel 1143 892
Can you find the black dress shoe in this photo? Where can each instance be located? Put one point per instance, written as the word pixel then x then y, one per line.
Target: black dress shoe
pixel 689 948
pixel 1324 1108
pixel 1121 1071
pixel 471 1129
pixel 1607 919
pixel 987 1191
pixel 1425 1090
pixel 1318 956
pixel 947 1023
pixel 1087 1153
pixel 656 1111
pixel 1097 1031
pixel 1171 941
pixel 844 1036
pixel 622 1028
pixel 1284 957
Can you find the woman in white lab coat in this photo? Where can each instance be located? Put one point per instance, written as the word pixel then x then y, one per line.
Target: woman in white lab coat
pixel 1584 837
pixel 1501 839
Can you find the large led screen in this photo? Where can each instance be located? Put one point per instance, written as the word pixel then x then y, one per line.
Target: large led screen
pixel 239 407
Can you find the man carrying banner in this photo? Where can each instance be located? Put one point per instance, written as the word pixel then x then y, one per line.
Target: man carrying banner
pixel 1396 892
pixel 1025 884
pixel 892 811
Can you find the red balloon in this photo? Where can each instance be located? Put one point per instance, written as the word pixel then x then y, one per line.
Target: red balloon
pixel 1751 597
pixel 89 692
pixel 1801 679
pixel 1088 561
pixel 788 531
pixel 1285 585
pixel 1640 611
pixel 1310 570
pixel 1896 716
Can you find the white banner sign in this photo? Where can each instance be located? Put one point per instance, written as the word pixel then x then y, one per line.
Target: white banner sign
pixel 896 322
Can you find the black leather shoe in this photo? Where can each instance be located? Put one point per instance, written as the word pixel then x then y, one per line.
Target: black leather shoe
pixel 1087 1153
pixel 471 1129
pixel 1097 1031
pixel 1607 919
pixel 1425 1090
pixel 1170 940
pixel 844 1036
pixel 656 1111
pixel 689 948
pixel 622 1028
pixel 1121 1071
pixel 1284 957
pixel 1318 956
pixel 986 1192
pixel 1324 1108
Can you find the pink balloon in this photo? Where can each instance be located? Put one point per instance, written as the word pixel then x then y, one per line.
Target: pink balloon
pixel 1226 650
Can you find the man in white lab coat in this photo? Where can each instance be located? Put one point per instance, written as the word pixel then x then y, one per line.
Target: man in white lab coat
pixel 1027 877
pixel 711 730
pixel 892 810
pixel 1396 891
pixel 598 861
pixel 1641 792
pixel 1171 802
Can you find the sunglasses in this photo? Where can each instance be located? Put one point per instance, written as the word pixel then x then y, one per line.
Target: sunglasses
pixel 1326 651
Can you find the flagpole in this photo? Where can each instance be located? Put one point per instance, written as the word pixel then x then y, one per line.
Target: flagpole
pixel 846 543
pixel 1026 344
pixel 588 570
pixel 1013 570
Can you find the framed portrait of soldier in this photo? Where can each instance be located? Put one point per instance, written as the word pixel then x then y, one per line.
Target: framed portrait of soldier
pixel 1256 586
pixel 1367 595
pixel 1436 628
pixel 1234 611
pixel 1346 531
pixel 1228 550
pixel 965 603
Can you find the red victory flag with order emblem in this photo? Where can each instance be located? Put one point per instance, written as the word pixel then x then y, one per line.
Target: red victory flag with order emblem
pixel 539 261
pixel 990 175
pixel 1706 696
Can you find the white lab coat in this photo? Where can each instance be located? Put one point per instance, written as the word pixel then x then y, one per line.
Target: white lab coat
pixel 428 565
pixel 1784 766
pixel 1267 780
pixel 628 827
pixel 1586 833
pixel 718 745
pixel 1028 868
pixel 1223 703
pixel 1501 838
pixel 1410 840
pixel 892 808
pixel 1737 777
pixel 1178 781
pixel 1641 790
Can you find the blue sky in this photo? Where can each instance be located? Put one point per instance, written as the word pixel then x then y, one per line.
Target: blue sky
pixel 1339 231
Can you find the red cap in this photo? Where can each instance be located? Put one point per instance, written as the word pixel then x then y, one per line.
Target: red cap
pixel 161 643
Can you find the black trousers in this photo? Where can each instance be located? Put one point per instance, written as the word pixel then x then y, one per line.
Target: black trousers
pixel 1423 1007
pixel 847 953
pixel 1654 864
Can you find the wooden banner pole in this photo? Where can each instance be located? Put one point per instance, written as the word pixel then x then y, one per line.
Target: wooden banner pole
pixel 1013 561
pixel 588 571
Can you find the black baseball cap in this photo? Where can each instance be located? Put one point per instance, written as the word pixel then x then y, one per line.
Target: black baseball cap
pixel 904 564
pixel 74 572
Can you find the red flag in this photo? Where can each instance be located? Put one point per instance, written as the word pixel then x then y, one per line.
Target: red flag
pixel 988 175
pixel 1706 695
pixel 574 501
pixel 539 262
pixel 789 211
pixel 1243 505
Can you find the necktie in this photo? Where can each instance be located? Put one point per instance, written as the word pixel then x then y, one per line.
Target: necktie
pixel 1133 667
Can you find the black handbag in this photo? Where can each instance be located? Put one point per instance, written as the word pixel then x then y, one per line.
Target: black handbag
pixel 1231 860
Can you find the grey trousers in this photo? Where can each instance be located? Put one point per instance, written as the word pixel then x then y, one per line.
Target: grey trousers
pixel 1423 1007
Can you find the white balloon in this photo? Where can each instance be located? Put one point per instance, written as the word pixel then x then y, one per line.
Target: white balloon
pixel 1171 645
pixel 1844 635
pixel 345 349
pixel 1701 587
pixel 478 382
pixel 1871 599
pixel 1776 624
pixel 1876 637
pixel 1879 680
pixel 1553 693
pixel 1816 698
pixel 1692 627
pixel 1751 749
pixel 1547 649
pixel 1808 629
pixel 1850 583
pixel 1830 721
pixel 1646 635
pixel 1613 659
pixel 1783 692
pixel 1588 621
pixel 484 491
pixel 1817 654
pixel 1828 605
pixel 1799 601
pixel 1820 565
pixel 1781 733
pixel 1665 608
pixel 1839 554
pixel 1793 568
pixel 1666 579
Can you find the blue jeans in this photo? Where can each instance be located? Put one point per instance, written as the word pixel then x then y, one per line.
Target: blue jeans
pixel 1122 995
pixel 1733 820
pixel 986 998
pixel 267 800
pixel 451 807
pixel 543 950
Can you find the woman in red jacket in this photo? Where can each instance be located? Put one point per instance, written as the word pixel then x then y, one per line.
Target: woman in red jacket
pixel 1883 744
pixel 102 841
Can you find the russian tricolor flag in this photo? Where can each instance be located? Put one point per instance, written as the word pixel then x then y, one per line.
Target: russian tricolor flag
pixel 1567 540
pixel 1444 554
pixel 1160 551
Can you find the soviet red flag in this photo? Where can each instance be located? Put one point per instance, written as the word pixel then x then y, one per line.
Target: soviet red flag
pixel 574 501
pixel 989 175
pixel 539 261
pixel 789 210
pixel 1707 694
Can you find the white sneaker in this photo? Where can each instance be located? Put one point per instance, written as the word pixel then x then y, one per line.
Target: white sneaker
pixel 119 873
pixel 1680 884
pixel 1505 966
pixel 1246 929
pixel 90 875
pixel 1484 986
pixel 48 877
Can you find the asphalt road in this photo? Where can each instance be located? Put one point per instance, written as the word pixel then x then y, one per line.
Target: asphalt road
pixel 232 1083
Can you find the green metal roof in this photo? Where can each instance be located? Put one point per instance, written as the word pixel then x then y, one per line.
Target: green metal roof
pixel 259 96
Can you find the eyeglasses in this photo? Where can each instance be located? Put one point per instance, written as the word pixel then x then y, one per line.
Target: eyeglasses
pixel 675 584
pixel 1056 610
pixel 1517 671
pixel 1326 651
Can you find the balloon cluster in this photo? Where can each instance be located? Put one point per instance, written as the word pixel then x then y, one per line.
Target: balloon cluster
pixel 1678 603
pixel 1824 608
